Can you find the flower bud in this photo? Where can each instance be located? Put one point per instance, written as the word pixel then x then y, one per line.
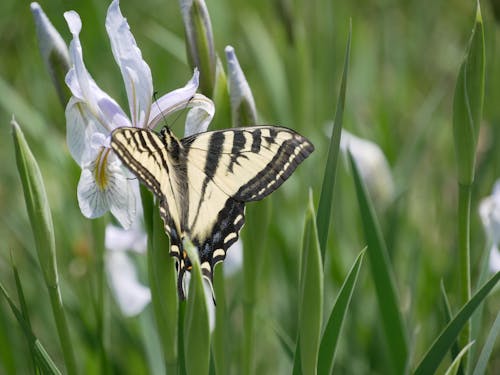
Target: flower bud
pixel 54 52
pixel 242 103
pixel 200 42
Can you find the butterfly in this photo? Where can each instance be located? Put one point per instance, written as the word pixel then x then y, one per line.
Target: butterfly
pixel 203 181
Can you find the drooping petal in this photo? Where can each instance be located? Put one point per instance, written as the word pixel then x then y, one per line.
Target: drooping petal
pixel 105 186
pixel 173 101
pixel 200 115
pixel 132 297
pixel 83 87
pixel 135 71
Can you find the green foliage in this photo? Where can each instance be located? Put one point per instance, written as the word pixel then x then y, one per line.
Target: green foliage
pixel 397 77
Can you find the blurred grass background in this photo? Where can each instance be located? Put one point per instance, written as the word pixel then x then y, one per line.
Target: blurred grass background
pixel 404 63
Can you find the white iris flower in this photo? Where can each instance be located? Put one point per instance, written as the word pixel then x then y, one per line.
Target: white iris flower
pixel 489 210
pixel 91 116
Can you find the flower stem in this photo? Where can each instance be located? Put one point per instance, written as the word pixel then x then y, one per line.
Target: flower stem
pixel 62 328
pixel 98 233
pixel 464 200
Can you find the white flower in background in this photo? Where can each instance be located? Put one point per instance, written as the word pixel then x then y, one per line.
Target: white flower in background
pixel 372 165
pixel 91 116
pixel 489 210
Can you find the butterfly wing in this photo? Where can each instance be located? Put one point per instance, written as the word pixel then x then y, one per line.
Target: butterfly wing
pixel 145 154
pixel 227 168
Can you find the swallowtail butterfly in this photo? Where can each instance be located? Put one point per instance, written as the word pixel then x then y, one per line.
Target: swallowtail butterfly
pixel 203 181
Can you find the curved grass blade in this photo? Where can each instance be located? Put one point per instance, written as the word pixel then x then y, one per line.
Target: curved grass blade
pixel 326 197
pixel 445 340
pixel 455 365
pixel 311 294
pixel 332 331
pixel 447 309
pixel 392 320
pixel 482 362
pixel 42 358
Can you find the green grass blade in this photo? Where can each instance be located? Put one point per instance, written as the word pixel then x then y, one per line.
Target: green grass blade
pixel 447 310
pixel 42 358
pixel 220 333
pixel 482 361
pixel 43 231
pixel 297 364
pixel 332 331
pixel 455 366
pixel 196 324
pixel 24 310
pixel 162 281
pixel 390 314
pixel 445 340
pixel 311 294
pixel 285 340
pixel 327 188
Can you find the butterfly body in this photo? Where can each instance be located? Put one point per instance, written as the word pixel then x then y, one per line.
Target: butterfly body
pixel 203 181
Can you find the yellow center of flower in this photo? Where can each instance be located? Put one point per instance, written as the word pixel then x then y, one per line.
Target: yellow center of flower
pixel 100 172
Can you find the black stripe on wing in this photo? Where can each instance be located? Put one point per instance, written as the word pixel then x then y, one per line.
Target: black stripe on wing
pixel 225 232
pixel 287 158
pixel 128 143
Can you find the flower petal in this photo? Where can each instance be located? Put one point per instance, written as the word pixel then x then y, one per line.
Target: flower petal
pixel 234 259
pixel 489 211
pixel 242 101
pixel 112 192
pixel 132 297
pixel 135 71
pixel 173 101
pixel 199 116
pixel 494 259
pixel 373 166
pixel 83 87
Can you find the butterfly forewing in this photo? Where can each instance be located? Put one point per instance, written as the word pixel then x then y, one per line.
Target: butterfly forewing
pixel 251 162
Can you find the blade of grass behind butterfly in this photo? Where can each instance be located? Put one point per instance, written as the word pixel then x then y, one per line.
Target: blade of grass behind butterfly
pixel 484 357
pixel 220 333
pixel 42 358
pixel 311 294
pixel 222 117
pixel 196 324
pixel 97 285
pixel 162 281
pixel 447 310
pixel 333 328
pixel 326 197
pixel 382 274
pixel 438 350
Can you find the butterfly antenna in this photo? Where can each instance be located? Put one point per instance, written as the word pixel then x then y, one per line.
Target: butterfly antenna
pixel 155 97
pixel 155 94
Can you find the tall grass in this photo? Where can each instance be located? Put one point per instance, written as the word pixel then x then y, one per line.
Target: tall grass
pixel 309 297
